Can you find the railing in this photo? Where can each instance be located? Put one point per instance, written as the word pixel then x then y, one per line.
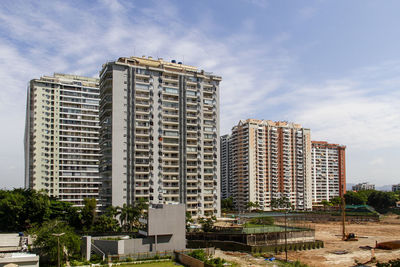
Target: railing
pixel 98 251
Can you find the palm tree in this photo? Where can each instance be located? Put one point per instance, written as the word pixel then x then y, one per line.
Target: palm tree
pixel 112 211
pixel 127 213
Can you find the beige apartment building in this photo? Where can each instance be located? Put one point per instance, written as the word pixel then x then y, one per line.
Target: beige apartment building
pixel 328 171
pixel 271 160
pixel 62 137
pixel 159 134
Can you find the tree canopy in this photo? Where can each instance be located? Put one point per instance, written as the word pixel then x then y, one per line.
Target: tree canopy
pixel 46 242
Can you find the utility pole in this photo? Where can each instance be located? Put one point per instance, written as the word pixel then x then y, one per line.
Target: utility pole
pixel 286 236
pixel 343 216
pixel 58 247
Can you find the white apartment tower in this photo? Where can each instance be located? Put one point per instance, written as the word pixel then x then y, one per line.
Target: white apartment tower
pixel 271 160
pixel 226 167
pixel 62 137
pixel 328 171
pixel 363 186
pixel 159 134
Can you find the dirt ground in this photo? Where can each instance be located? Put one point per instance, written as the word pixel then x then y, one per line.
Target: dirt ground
pixel 368 234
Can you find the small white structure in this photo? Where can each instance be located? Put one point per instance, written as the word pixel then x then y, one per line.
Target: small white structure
pixel 11 251
pixel 19 259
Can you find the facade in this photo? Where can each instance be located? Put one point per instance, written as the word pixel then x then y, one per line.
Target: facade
pixel 328 171
pixel 159 134
pixel 396 187
pixel 62 137
pixel 226 167
pixel 363 186
pixel 271 160
pixel 163 230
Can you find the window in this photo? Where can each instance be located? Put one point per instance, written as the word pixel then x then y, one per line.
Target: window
pixel 170 90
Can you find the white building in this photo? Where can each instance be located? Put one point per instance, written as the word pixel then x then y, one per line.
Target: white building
pixel 328 171
pixel 159 134
pixel 62 137
pixel 363 186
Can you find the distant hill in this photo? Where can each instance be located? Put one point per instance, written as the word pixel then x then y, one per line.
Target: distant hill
pixel 384 188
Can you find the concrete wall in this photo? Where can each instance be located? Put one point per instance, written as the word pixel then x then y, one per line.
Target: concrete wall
pixel 189 261
pixel 110 247
pixel 9 240
pixel 86 247
pixel 25 260
pixel 118 179
pixel 168 224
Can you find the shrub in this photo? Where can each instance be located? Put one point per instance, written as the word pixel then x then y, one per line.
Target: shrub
pixel 262 220
pixel 198 254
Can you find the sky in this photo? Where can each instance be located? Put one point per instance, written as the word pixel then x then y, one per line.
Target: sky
pixel 332 66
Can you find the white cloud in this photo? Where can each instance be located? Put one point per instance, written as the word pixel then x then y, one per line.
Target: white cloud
pixel 377 161
pixel 307 12
pixel 63 37
pixel 258 3
pixel 360 109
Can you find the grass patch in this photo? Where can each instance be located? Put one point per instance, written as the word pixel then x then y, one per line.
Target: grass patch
pixel 153 264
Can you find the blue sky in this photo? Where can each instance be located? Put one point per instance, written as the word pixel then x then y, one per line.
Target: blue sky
pixel 333 66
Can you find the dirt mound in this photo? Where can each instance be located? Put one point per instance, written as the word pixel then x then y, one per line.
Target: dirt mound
pixel 389 245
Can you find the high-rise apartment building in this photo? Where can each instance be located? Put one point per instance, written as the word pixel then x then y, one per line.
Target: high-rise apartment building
pixel 271 160
pixel 159 134
pixel 328 171
pixel 62 137
pixel 363 186
pixel 226 167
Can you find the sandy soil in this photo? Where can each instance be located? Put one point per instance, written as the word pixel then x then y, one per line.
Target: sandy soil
pixel 369 233
pixel 243 259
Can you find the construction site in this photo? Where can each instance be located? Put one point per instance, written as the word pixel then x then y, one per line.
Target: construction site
pixel 257 233
pixel 367 242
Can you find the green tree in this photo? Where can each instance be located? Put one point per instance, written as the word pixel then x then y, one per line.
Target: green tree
pixel 382 201
pixel 141 206
pixel 281 203
pixel 227 204
pixel 20 208
pixel 326 204
pixel 104 224
pixel 112 211
pixel 127 217
pixel 207 224
pixel 64 211
pixel 88 213
pixel 11 211
pixel 250 205
pixel 336 201
pixel 45 243
pixel 355 198
pixel 130 214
